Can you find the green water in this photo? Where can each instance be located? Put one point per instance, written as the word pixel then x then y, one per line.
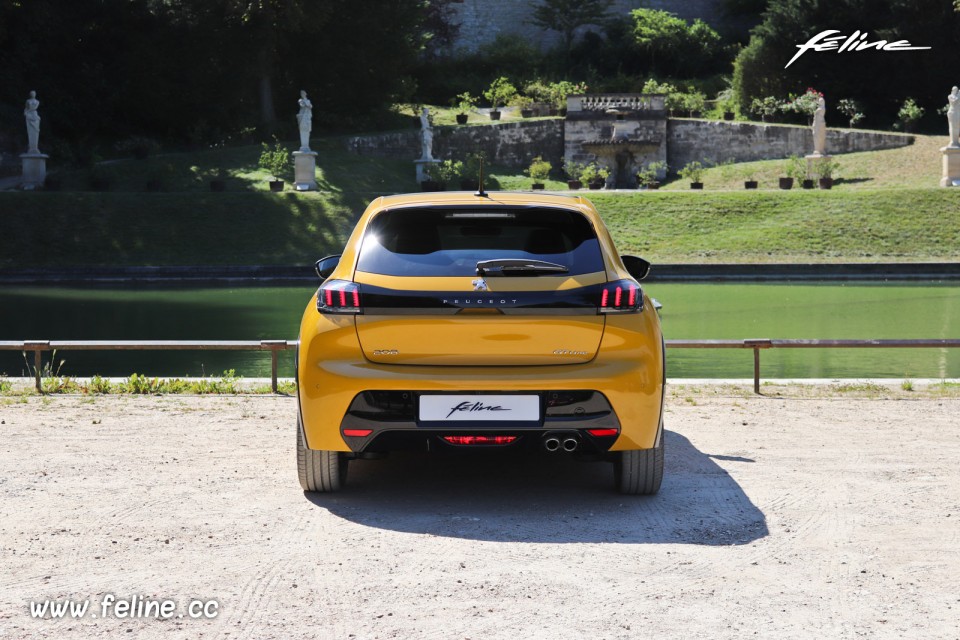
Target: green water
pixel 691 311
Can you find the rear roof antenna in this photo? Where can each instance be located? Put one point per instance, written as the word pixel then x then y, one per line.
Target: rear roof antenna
pixel 480 192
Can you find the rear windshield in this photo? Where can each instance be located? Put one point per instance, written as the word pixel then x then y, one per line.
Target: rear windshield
pixel 445 242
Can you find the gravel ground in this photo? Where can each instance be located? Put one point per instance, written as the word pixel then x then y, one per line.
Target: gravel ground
pixel 778 518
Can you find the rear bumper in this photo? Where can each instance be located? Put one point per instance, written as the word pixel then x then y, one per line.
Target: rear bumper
pixel 328 390
pixel 383 421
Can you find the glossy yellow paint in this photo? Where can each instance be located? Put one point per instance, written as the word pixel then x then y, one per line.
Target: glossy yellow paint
pixel 626 366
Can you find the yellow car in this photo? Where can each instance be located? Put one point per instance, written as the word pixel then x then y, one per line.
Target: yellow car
pixel 461 321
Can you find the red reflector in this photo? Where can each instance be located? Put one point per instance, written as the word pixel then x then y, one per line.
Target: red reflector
pixel 602 433
pixel 357 433
pixel 479 439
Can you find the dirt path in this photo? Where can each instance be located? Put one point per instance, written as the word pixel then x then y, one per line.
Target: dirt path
pixel 778 518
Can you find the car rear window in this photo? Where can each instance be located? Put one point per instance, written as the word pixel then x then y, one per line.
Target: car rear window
pixel 450 242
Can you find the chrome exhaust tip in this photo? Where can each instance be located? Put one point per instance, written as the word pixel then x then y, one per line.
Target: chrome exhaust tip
pixel 551 443
pixel 570 444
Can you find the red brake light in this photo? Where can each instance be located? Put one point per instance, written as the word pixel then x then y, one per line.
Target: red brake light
pixel 622 296
pixel 339 296
pixel 480 439
pixel 602 433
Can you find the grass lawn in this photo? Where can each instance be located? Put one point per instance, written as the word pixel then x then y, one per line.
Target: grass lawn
pixel 886 207
pixel 915 166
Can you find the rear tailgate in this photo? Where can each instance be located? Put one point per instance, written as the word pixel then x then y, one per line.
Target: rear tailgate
pixel 516 321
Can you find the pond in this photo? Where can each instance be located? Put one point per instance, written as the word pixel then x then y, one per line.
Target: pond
pixel 691 311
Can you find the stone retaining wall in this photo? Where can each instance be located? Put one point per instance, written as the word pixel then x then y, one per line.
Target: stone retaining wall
pixel 508 143
pixel 720 141
pixel 514 144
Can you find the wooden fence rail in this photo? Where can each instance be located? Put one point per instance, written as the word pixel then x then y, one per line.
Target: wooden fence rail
pixel 275 346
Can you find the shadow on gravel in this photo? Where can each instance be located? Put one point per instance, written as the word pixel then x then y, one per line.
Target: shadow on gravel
pixel 549 498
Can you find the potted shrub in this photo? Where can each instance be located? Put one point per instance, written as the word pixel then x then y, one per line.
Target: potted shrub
pixel 649 177
pixel 464 102
pixel 276 162
pixel 574 171
pixel 851 109
pixel 794 171
pixel 767 108
pixel 595 176
pixel 725 104
pixel 804 105
pixel 826 169
pixel 694 102
pixel 539 170
pixel 524 103
pixel 750 177
pixel 694 173
pixel 499 93
pixel 542 98
pixel 560 90
pixel 909 113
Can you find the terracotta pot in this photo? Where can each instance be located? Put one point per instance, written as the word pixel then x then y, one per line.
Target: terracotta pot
pixel 494 115
pixel 276 185
pixel 826 183
pixel 728 115
pixel 807 184
pixel 462 118
pixel 696 185
pixel 597 184
pixel 574 184
pixel 749 184
pixel 786 183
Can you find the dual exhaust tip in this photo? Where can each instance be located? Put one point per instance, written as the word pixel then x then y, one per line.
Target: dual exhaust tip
pixel 556 441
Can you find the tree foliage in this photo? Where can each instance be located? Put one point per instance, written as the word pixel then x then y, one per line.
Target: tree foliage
pixel 879 80
pixel 201 70
pixel 673 46
pixel 566 16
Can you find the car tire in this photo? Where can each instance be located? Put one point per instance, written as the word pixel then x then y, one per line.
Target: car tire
pixel 319 471
pixel 640 472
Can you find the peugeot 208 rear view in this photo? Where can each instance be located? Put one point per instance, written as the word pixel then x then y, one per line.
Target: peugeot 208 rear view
pixel 481 322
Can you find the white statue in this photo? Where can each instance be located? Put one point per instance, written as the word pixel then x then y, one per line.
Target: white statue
pixel 820 128
pixel 305 120
pixel 953 118
pixel 33 123
pixel 426 135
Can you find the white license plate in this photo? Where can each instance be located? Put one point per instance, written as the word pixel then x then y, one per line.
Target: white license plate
pixel 485 408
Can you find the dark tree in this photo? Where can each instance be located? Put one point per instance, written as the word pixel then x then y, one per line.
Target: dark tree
pixel 566 16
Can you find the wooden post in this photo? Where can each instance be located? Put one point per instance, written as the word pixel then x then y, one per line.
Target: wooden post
pixel 37 346
pixel 756 345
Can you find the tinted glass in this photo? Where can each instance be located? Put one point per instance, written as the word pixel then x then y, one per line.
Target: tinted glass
pixel 444 242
